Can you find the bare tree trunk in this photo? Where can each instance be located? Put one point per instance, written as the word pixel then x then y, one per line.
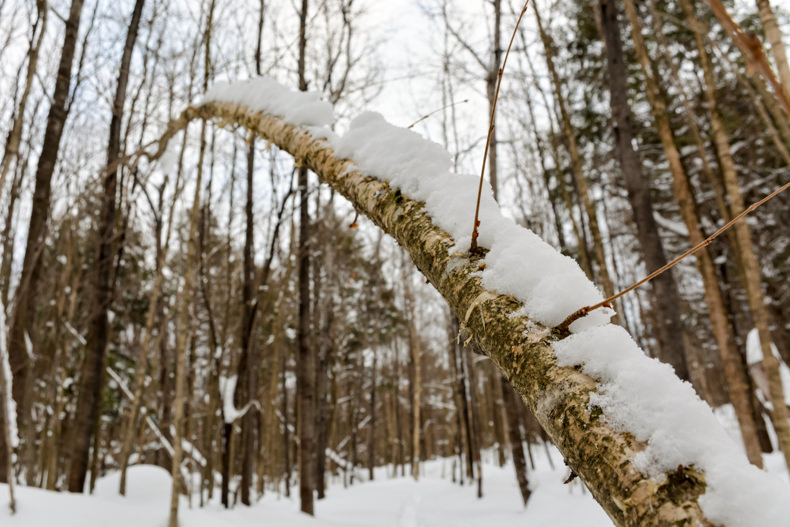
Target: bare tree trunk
pixel 398 422
pixel 414 356
pixel 27 292
pixel 733 369
pixel 516 441
pixel 491 81
pixel 191 266
pixel 182 332
pixel 372 422
pixel 249 435
pixel 749 267
pixel 774 36
pixel 474 417
pixel 286 432
pixel 249 363
pixel 322 374
pixel 665 296
pixel 11 149
pixel 305 367
pixel 457 367
pixel 86 414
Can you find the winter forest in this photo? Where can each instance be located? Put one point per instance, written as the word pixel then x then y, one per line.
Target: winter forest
pixel 354 262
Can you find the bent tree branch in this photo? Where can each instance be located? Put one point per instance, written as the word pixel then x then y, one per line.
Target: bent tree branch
pixel 598 453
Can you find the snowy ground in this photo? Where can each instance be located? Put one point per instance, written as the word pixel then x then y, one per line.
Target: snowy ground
pixel 385 502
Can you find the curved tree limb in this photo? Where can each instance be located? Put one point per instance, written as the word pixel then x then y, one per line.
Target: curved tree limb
pixel 596 451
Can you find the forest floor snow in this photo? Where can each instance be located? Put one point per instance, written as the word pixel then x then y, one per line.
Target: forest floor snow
pixel 387 501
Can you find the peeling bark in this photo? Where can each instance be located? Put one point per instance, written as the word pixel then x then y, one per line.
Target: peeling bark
pixel 598 453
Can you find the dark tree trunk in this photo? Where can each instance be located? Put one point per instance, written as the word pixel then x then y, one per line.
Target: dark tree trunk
pixel 305 367
pixel 286 432
pixel 372 424
pixel 91 378
pixel 27 292
pixel 514 435
pixel 250 424
pixel 460 383
pixel 250 361
pixel 665 293
pixel 322 421
pixel 474 416
pixel 227 437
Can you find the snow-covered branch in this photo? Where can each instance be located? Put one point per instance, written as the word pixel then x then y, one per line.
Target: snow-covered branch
pixel 647 447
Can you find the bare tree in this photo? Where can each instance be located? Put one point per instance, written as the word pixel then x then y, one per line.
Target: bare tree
pixel 93 365
pixel 27 291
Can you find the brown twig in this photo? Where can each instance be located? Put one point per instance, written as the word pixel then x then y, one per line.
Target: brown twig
pixel 752 50
pixel 424 117
pixel 608 302
pixel 475 234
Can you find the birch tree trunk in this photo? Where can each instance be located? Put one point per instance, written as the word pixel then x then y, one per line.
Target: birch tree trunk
pixel 558 396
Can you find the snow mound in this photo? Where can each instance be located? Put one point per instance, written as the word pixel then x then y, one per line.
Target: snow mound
pixel 144 484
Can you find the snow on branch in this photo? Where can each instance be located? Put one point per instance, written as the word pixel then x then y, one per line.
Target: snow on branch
pixel 227 387
pixel 648 448
pixel 148 421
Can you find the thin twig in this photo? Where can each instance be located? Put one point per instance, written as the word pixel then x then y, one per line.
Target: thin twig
pixel 607 303
pixel 475 234
pixel 424 117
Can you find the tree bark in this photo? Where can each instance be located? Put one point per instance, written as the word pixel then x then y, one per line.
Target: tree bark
pixel 86 414
pixel 191 267
pixel 416 396
pixel 774 36
pixel 492 77
pixel 27 291
pixel 474 416
pixel 372 422
pixel 516 440
pixel 460 384
pixel 305 366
